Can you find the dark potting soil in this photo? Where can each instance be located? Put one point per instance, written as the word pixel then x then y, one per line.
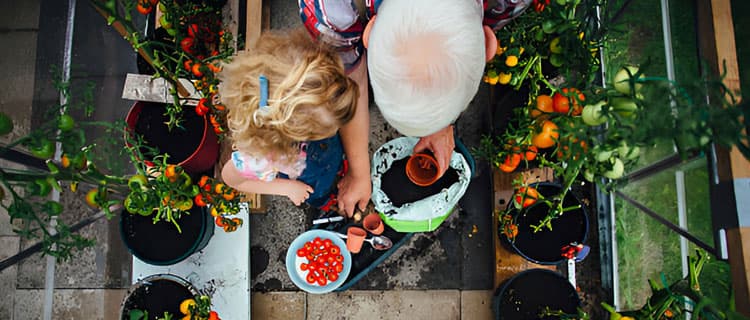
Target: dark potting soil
pixel 179 143
pixel 525 295
pixel 161 242
pixel 156 297
pixel 400 190
pixel 545 245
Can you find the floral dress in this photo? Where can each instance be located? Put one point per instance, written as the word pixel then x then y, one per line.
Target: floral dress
pixel 318 165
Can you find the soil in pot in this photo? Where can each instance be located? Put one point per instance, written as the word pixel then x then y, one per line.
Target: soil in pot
pixel 156 296
pixel 161 243
pixel 544 245
pixel 400 190
pixel 526 295
pixel 179 143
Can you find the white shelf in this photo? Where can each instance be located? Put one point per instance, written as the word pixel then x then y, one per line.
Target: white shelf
pixel 221 269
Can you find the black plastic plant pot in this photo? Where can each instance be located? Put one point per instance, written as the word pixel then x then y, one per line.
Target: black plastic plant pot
pixel 157 294
pixel 161 243
pixel 544 246
pixel 528 294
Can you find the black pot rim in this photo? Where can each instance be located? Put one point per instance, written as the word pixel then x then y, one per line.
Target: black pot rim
pixel 585 233
pixel 504 287
pixel 159 276
pixel 199 242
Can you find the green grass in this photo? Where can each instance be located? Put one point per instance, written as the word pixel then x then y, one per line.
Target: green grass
pixel 646 248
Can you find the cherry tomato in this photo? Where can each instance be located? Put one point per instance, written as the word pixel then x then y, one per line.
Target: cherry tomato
pixel 334 249
pixel 303 266
pixel 65 122
pixel 311 278
pixel 338 268
pixel 530 153
pixel 547 136
pixel 200 200
pixel 544 105
pixel 511 163
pixel 526 196
pixel 322 281
pixel 333 277
pixel 302 253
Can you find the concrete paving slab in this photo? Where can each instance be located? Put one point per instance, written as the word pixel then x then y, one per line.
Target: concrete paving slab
pixel 93 304
pixel 399 304
pixel 19 15
pixel 9 246
pixel 477 305
pixel 99 266
pixel 279 306
pixel 284 14
pixel 19 54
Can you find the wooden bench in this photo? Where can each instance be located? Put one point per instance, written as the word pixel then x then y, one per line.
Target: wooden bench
pixel 507 262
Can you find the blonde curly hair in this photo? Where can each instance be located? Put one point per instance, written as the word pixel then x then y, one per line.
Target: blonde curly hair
pixel 309 95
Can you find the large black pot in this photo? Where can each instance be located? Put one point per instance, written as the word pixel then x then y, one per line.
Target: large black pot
pixel 528 293
pixel 160 243
pixel 544 246
pixel 157 294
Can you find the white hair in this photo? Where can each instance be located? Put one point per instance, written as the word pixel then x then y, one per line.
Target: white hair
pixel 425 60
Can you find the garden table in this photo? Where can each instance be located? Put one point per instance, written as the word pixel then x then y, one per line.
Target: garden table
pixel 221 270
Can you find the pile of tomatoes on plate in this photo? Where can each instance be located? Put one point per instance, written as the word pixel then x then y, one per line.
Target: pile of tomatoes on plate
pixel 324 261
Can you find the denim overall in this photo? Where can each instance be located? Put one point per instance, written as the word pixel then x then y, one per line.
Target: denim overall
pixel 322 165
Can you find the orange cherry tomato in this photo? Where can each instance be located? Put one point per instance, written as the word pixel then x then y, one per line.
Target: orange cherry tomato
pixel 526 196
pixel 530 153
pixel 544 105
pixel 511 163
pixel 547 136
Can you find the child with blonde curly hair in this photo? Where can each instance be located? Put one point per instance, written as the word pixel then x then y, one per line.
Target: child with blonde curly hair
pixel 287 98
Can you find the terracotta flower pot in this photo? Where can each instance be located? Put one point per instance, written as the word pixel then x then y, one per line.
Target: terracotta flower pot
pixel 422 169
pixel 195 149
pixel 373 224
pixel 355 237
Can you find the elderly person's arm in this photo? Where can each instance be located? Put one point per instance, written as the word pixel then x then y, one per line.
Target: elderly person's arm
pixel 355 188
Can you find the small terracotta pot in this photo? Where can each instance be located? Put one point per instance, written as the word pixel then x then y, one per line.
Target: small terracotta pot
pixel 373 224
pixel 422 169
pixel 355 237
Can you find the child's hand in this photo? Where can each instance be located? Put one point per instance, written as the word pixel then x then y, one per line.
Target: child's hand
pixel 297 191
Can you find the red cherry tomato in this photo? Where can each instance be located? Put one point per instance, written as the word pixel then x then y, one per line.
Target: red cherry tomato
pixel 338 268
pixel 322 281
pixel 301 252
pixel 311 278
pixel 303 266
pixel 333 277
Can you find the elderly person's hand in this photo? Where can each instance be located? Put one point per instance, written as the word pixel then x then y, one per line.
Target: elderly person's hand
pixel 441 144
pixel 354 192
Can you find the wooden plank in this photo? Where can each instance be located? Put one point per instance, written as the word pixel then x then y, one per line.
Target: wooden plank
pixel 254 22
pixel 738 239
pixel 507 262
pixel 726 52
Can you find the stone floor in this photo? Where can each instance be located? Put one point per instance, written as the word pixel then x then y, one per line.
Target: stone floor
pixel 446 274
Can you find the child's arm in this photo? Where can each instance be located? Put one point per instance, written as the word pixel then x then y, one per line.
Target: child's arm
pixel 295 190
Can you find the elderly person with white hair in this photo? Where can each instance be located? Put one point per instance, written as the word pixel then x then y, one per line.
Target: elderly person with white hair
pixel 425 60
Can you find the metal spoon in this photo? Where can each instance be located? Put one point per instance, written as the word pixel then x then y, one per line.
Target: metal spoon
pixel 377 242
